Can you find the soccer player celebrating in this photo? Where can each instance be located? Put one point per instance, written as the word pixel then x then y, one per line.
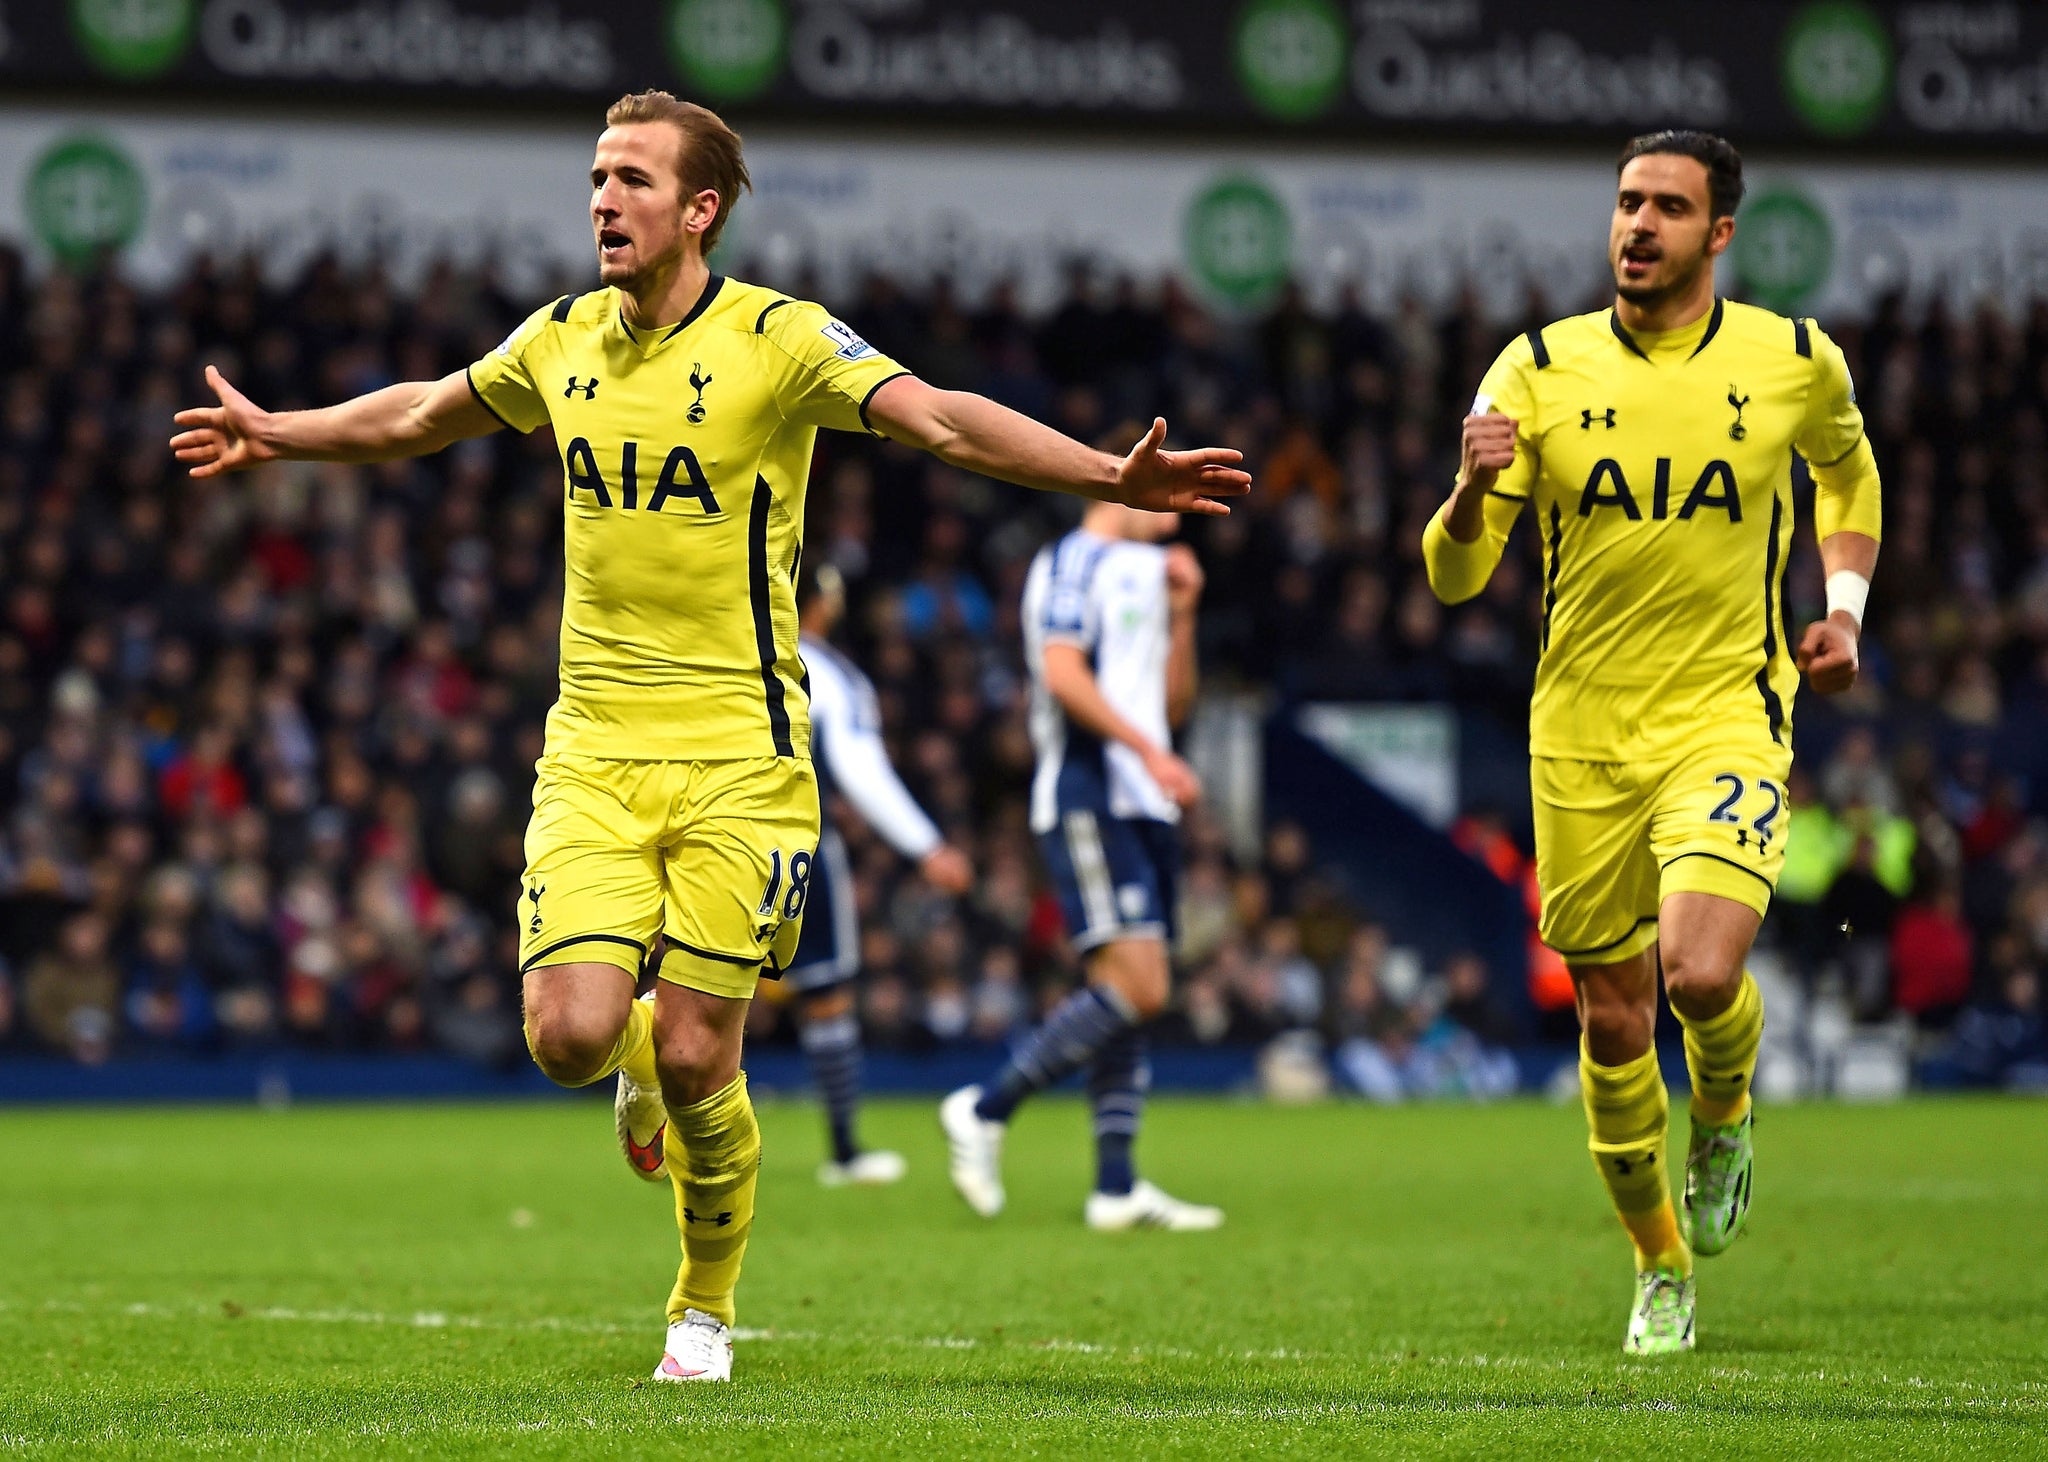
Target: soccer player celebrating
pixel 1654 443
pixel 675 801
pixel 846 745
pixel 1109 632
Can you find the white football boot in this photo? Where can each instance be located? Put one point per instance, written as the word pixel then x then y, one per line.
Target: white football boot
pixel 864 1170
pixel 642 1123
pixel 699 1349
pixel 1147 1206
pixel 976 1148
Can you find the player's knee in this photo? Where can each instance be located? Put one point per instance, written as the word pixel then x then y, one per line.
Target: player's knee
pixel 1700 987
pixel 1617 1030
pixel 1137 970
pixel 694 1063
pixel 569 1046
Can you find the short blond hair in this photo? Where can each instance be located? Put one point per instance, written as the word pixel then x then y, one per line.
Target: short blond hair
pixel 711 156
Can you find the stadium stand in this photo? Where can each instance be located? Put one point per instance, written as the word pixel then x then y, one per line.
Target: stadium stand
pixel 266 742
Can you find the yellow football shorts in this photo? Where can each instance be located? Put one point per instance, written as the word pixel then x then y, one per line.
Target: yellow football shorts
pixel 1614 839
pixel 715 856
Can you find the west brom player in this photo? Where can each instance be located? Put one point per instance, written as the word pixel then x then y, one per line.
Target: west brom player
pixel 1654 443
pixel 846 746
pixel 1109 630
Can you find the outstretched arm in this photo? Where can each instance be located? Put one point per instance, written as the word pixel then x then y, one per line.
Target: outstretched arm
pixel 408 420
pixel 977 434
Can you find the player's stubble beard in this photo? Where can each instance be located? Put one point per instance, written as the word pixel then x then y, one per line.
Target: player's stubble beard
pixel 1673 285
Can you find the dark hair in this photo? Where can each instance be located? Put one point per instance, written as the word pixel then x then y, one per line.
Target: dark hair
pixel 1717 154
pixel 711 150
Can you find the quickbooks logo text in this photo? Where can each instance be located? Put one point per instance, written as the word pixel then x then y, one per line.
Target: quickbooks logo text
pixel 1837 67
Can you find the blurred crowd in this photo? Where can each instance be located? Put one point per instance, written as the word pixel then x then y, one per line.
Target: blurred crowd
pixel 266 742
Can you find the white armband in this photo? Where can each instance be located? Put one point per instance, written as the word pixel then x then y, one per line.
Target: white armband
pixel 1848 591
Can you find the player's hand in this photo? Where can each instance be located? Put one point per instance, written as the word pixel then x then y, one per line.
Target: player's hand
pixel 947 869
pixel 1179 482
pixel 223 438
pixel 1184 579
pixel 1175 777
pixel 1828 654
pixel 1488 448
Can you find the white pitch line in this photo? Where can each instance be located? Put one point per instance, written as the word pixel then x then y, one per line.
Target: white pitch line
pixel 441 1320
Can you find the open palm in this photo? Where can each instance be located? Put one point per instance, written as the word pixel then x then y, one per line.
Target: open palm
pixel 223 438
pixel 1180 482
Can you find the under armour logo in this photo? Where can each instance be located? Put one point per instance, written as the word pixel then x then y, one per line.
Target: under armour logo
pixel 1736 429
pixel 1587 417
pixel 699 380
pixel 588 388
pixel 718 1220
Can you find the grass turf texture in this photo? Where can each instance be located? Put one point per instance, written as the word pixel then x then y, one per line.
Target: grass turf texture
pixel 1441 1281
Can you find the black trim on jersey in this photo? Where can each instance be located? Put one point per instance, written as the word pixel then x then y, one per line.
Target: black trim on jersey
pixel 1841 459
pixel 871 396
pixel 1513 497
pixel 560 313
pixel 1801 340
pixel 770 308
pixel 1550 578
pixel 711 288
pixel 494 410
pixel 1538 349
pixel 1713 328
pixel 1603 948
pixel 541 954
pixel 1719 859
pixel 764 618
pixel 1773 707
pixel 725 959
pixel 1621 333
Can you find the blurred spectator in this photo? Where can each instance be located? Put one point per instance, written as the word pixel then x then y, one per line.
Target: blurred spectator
pixel 72 991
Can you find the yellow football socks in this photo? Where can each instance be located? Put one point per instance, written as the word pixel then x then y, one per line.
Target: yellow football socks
pixel 714 1154
pixel 1720 1053
pixel 1628 1113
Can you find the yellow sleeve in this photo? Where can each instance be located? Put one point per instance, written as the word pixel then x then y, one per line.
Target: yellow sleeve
pixel 827 373
pixel 503 380
pixel 1847 496
pixel 1457 571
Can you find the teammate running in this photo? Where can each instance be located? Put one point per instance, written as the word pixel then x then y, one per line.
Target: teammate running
pixel 1654 444
pixel 1109 631
pixel 675 799
pixel 846 743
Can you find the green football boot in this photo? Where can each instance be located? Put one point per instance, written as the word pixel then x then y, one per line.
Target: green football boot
pixel 1717 1170
pixel 1661 1322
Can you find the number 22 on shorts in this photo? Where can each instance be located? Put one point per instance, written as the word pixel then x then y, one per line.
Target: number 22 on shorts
pixel 1735 787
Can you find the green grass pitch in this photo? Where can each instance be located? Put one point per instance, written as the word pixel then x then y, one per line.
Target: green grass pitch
pixel 1440 1281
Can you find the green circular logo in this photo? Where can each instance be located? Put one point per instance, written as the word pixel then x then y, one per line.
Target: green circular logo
pixel 1290 56
pixel 132 39
pixel 1837 67
pixel 1784 247
pixel 1239 241
pixel 84 196
pixel 729 49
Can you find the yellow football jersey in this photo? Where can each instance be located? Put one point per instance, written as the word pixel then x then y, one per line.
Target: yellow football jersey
pixel 1659 472
pixel 685 454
